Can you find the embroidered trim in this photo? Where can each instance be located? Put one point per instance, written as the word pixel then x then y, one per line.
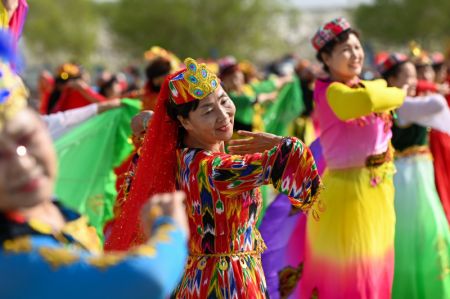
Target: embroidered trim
pixel 413 151
pixel 18 245
pixel 58 257
pixel 144 250
pixel 105 261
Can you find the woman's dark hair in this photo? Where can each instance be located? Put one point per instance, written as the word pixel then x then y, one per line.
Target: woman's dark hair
pixel 329 47
pixel 174 110
pixel 420 68
pixel 437 67
pixel 393 71
pixel 228 70
pixel 107 85
pixel 158 67
pixel 57 91
pixel 134 71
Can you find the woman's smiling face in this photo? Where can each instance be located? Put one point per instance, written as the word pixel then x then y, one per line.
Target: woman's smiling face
pixel 346 60
pixel 27 162
pixel 212 121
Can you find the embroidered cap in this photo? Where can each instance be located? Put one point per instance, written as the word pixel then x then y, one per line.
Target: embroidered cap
pixel 437 58
pixel 329 31
pixel 194 83
pixel 391 61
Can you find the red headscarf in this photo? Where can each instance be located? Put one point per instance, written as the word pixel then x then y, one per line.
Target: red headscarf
pixel 155 173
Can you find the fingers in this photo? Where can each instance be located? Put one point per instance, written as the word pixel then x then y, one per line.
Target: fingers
pixel 246 141
pixel 140 122
pixel 247 133
pixel 234 148
pixel 165 204
pixel 168 200
pixel 173 206
pixel 108 105
pixel 179 196
pixel 146 119
pixel 117 102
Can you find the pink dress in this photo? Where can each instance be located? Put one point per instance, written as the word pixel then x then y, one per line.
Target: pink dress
pixel 349 251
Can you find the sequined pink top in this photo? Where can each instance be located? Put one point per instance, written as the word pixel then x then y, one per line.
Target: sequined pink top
pixel 347 144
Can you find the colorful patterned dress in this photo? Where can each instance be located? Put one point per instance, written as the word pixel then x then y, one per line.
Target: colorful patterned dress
pixel 223 204
pixel 349 251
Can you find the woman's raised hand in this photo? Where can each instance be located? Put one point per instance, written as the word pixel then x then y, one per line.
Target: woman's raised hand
pixel 165 204
pixel 140 122
pixel 257 142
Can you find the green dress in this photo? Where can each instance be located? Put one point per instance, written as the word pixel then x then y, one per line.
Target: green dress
pixel 422 238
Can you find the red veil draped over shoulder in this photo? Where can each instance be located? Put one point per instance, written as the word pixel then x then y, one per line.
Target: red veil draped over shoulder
pixel 155 173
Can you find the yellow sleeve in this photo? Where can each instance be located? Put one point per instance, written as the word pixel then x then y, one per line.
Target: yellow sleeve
pixel 373 96
pixel 4 19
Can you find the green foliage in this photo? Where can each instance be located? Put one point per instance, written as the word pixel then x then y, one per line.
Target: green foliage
pixel 400 21
pixel 68 29
pixel 64 27
pixel 198 28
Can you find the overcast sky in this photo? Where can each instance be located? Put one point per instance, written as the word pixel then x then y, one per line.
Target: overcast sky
pixel 334 3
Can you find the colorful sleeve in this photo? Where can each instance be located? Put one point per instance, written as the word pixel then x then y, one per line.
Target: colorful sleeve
pixel 154 268
pixel 289 167
pixel 373 96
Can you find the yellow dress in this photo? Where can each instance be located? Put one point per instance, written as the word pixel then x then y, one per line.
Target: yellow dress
pixel 350 250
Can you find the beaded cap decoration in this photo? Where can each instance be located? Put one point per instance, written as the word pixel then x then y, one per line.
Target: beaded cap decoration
pixel 195 83
pixel 13 94
pixel 418 56
pixel 68 70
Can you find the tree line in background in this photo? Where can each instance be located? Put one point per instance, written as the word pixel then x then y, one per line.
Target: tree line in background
pixel 199 28
pixel 204 28
pixel 399 21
